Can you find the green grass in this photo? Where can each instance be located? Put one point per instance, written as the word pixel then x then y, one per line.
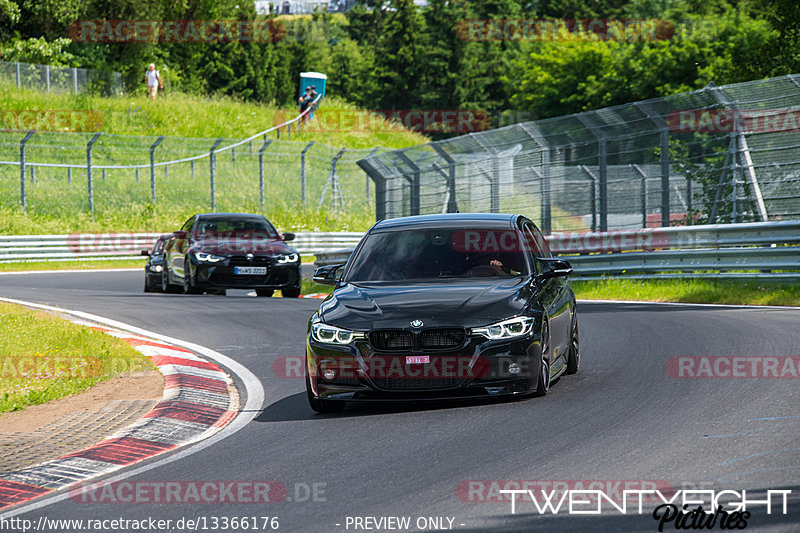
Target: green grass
pixel 691 291
pixel 71 265
pixel 43 358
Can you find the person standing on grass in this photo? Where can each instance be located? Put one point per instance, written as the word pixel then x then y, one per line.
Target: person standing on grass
pixel 153 81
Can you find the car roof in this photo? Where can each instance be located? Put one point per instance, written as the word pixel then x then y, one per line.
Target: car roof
pixel 449 220
pixel 228 215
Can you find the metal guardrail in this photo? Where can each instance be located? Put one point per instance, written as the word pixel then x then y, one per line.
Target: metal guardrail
pixel 111 246
pixel 684 252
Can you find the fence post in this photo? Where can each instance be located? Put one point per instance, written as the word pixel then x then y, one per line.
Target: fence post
pixel 233 155
pixel 22 196
pixel 47 74
pixel 33 176
pixel 303 171
pixel 643 181
pixel 261 171
pixel 104 174
pixel 413 181
pixel 602 168
pixel 69 175
pixel 546 202
pixel 137 175
pixel 366 178
pixel 75 79
pixel 19 77
pixel 192 162
pixel 212 163
pixel 592 195
pixel 380 188
pixel 663 128
pixel 153 169
pixel 333 183
pixel 452 204
pixel 89 171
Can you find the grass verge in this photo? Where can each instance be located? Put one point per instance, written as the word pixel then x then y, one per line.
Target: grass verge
pixel 43 357
pixel 711 291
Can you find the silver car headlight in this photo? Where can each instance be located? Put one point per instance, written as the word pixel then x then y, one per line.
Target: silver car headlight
pixel 289 258
pixel 332 335
pixel 205 257
pixel 507 329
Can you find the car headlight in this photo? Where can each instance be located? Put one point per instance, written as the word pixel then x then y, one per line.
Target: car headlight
pixel 332 335
pixel 507 329
pixel 155 268
pixel 205 257
pixel 289 258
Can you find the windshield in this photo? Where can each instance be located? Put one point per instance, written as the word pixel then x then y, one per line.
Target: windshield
pixel 209 228
pixel 438 253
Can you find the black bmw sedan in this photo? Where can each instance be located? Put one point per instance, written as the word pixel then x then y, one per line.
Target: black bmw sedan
pixel 442 306
pixel 154 265
pixel 213 252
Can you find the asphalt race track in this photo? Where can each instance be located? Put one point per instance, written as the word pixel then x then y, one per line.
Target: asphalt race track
pixel 622 417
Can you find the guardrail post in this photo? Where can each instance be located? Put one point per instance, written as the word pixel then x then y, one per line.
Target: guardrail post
pixel 413 182
pixel 212 163
pixel 90 183
pixel 261 171
pixel 22 195
pixel 452 204
pixel 303 171
pixel 380 188
pixel 153 169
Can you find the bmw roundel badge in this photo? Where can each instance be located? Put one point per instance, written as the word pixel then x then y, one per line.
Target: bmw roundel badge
pixel 416 323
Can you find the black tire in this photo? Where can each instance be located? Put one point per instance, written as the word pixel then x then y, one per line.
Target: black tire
pixel 266 293
pixel 291 293
pixel 166 286
pixel 322 406
pixel 188 285
pixel 543 379
pixel 574 358
pixel 147 286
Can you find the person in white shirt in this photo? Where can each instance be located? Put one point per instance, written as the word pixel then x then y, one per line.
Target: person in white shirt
pixel 153 81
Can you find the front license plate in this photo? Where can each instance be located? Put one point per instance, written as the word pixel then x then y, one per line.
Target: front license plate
pixel 250 271
pixel 417 359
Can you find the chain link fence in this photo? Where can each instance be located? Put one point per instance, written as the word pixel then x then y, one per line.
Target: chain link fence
pixel 59 79
pixel 716 155
pixel 62 174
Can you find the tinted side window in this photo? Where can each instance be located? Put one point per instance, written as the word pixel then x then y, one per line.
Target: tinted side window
pixel 538 244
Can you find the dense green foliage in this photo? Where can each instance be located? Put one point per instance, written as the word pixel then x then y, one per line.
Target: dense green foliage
pixel 393 55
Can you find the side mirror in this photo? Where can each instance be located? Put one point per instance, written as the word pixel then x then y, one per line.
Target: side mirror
pixel 180 234
pixel 328 275
pixel 288 236
pixel 145 252
pixel 553 268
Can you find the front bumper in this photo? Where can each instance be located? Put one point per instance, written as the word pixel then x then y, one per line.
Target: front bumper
pixel 478 368
pixel 222 275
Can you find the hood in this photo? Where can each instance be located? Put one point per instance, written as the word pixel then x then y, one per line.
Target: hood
pixel 461 303
pixel 242 246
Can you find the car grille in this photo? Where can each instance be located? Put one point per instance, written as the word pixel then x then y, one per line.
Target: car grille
pixel 440 338
pixel 391 339
pixel 258 261
pixel 395 340
pixel 410 384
